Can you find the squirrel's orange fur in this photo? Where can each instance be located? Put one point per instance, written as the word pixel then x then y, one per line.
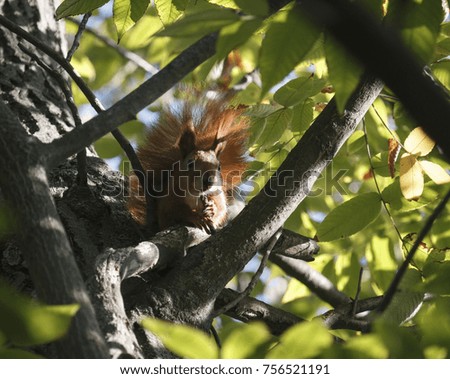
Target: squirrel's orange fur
pixel 207 138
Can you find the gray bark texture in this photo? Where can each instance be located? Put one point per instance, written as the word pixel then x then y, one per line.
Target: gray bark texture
pixel 78 244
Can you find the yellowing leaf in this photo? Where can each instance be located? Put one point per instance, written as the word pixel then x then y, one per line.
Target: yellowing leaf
pixel 436 173
pixel 411 177
pixel 418 142
pixel 183 340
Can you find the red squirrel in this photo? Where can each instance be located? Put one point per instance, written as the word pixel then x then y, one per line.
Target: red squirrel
pixel 194 157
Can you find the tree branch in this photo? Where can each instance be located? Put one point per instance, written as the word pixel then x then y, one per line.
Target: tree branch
pixel 250 309
pixel 42 237
pixel 193 283
pixel 314 280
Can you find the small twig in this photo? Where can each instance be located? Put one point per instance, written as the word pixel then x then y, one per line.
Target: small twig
pixel 388 296
pixel 341 317
pixel 255 277
pixel 127 54
pixel 386 127
pixel 358 292
pixel 81 156
pixel 77 38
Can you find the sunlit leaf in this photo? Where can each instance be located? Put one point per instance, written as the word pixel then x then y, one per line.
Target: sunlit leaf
pixel 411 177
pixel 25 322
pixel 350 217
pixel 170 10
pixel 418 142
pixel 126 13
pixel 287 28
pixel 441 71
pixel 75 7
pixel 247 341
pixel 183 340
pixel 304 340
pixel 200 23
pixel 436 173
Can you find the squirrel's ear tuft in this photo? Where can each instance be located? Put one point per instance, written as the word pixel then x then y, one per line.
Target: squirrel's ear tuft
pixel 219 147
pixel 187 140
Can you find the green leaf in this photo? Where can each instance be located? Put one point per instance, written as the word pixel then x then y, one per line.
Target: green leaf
pixel 304 340
pixel 441 71
pixel 382 263
pixel 200 23
pixel 437 281
pixel 367 346
pixel 303 115
pixel 253 7
pixel 275 126
pixel 126 13
pixel 225 3
pixel 298 90
pixel 170 10
pixel 25 322
pixel 75 7
pixel 183 340
pixel 434 324
pixel 17 354
pixel 247 341
pixel 400 342
pixel 419 23
pixel 344 72
pixel 289 38
pixel 234 35
pixel 350 217
pixel 356 142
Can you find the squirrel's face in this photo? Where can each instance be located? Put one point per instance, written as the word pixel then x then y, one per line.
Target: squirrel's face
pixel 200 173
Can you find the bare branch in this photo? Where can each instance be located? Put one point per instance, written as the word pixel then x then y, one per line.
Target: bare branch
pixel 255 278
pixel 250 309
pixel 314 280
pixel 127 54
pixel 77 38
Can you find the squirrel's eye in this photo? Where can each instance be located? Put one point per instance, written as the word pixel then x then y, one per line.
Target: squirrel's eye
pixel 190 164
pixel 219 168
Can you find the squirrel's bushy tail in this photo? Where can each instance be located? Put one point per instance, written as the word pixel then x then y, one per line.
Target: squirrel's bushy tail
pixel 213 121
